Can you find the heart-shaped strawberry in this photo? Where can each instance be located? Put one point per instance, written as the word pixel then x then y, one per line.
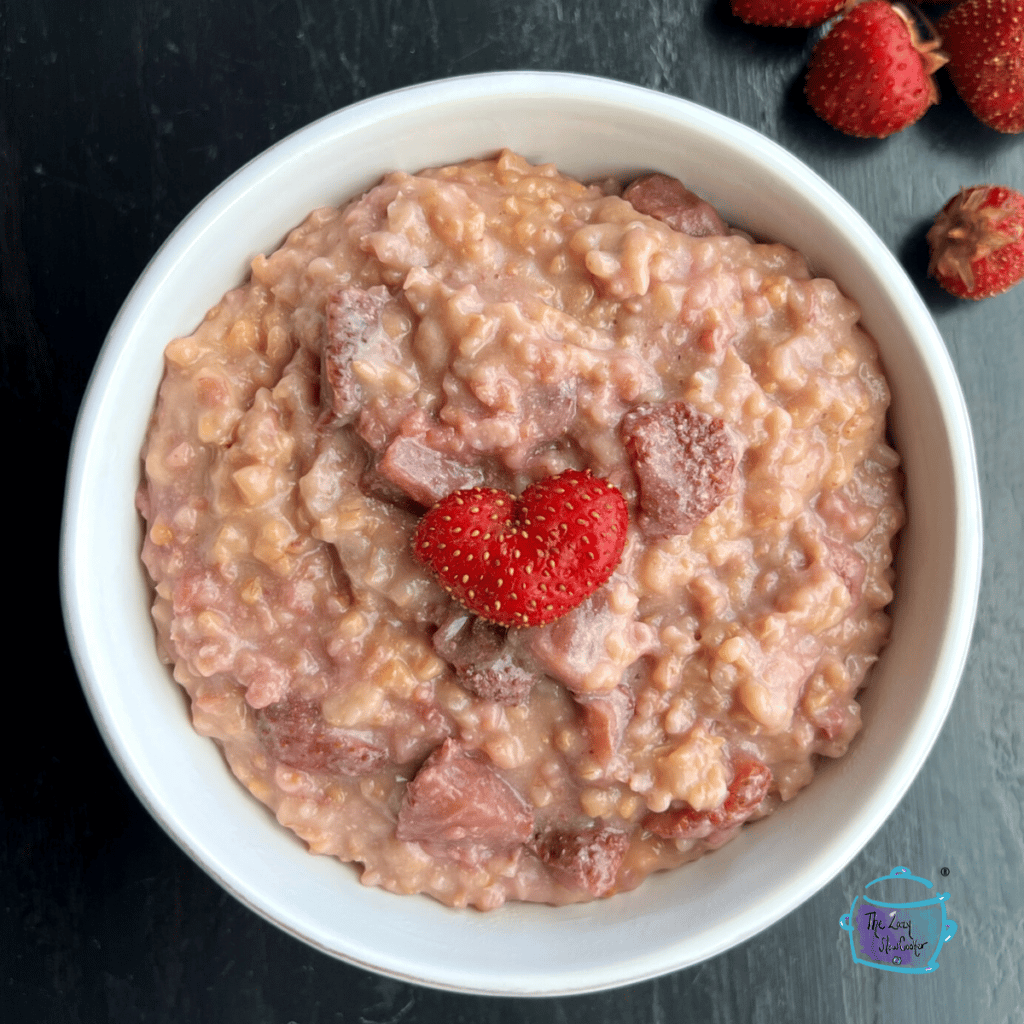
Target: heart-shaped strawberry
pixel 525 561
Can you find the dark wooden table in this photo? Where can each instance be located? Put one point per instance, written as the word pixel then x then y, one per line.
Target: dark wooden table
pixel 116 119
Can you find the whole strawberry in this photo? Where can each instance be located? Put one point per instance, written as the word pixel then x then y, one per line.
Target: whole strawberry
pixel 786 13
pixel 871 75
pixel 977 242
pixel 525 561
pixel 985 43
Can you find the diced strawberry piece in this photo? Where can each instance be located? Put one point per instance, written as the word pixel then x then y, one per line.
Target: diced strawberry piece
pixel 458 800
pixel 684 461
pixel 355 330
pixel 294 732
pixel 669 200
pixel 587 860
pixel 570 649
pixel 483 660
pixel 605 718
pixel 750 784
pixel 423 473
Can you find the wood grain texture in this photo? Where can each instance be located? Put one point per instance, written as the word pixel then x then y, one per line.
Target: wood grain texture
pixel 116 119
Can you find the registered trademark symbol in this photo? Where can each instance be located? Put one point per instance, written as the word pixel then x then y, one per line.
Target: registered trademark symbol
pixel 943 872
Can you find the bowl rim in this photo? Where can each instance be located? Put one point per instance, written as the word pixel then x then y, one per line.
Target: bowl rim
pixel 498 86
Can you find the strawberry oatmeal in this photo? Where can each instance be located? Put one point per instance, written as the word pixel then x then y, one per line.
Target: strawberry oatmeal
pixel 555 351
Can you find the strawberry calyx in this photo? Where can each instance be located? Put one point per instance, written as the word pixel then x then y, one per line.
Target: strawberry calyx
pixel 924 37
pixel 975 225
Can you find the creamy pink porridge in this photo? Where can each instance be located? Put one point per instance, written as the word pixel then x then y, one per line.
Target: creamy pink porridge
pixel 495 323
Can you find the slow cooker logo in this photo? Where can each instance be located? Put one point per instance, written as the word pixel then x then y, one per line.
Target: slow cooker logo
pixel 903 937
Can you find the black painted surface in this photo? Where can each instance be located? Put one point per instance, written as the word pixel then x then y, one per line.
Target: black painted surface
pixel 116 119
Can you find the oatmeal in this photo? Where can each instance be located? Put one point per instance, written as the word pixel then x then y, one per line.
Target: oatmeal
pixel 491 325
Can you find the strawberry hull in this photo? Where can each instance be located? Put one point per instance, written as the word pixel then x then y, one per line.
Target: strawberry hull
pixel 977 242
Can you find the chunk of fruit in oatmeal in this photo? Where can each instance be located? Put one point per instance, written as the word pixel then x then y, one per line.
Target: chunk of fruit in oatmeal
pixel 423 473
pixel 669 200
pixel 295 733
pixel 605 718
pixel 575 649
pixel 750 784
pixel 483 661
pixel 355 331
pixel 458 800
pixel 587 860
pixel 684 460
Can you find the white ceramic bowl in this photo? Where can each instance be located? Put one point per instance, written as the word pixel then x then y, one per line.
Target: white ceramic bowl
pixel 591 128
